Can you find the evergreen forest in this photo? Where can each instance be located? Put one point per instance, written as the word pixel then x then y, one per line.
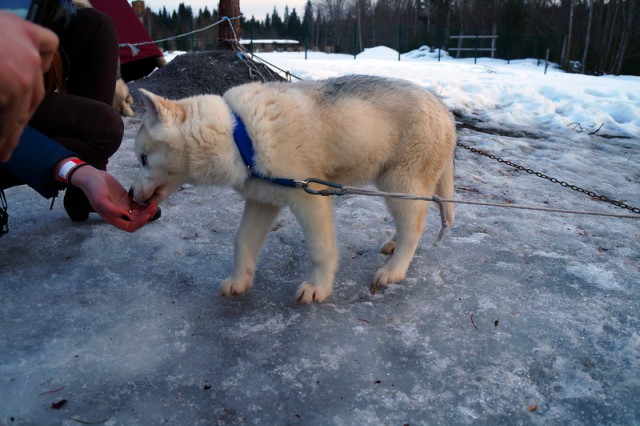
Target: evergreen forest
pixel 587 36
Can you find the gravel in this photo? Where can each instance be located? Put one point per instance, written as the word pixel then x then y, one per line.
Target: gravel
pixel 199 73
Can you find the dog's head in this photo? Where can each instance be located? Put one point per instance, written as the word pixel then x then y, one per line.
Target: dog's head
pixel 161 150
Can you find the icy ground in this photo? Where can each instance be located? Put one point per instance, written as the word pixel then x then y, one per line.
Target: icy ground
pixel 518 317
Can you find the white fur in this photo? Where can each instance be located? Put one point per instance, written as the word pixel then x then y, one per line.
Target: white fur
pixel 351 130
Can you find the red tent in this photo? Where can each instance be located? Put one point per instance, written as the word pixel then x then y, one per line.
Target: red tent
pixel 140 61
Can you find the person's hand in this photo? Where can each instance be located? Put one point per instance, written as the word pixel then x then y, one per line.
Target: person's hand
pixel 110 200
pixel 27 51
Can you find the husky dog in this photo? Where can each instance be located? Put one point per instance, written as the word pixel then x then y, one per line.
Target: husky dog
pixel 351 130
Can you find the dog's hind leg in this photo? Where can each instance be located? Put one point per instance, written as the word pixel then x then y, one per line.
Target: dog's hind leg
pixel 409 219
pixel 315 215
pixel 256 223
pixel 446 189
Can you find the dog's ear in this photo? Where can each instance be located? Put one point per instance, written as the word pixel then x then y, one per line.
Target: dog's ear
pixel 150 102
pixel 161 109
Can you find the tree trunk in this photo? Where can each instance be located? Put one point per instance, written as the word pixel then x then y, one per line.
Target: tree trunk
pixel 567 51
pixel 448 31
pixel 587 38
pixel 461 29
pixel 373 26
pixel 360 45
pixel 611 36
pixel 624 38
pixel 229 32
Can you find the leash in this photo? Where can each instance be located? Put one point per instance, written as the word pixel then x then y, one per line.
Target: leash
pixel 339 189
pixel 564 184
pixel 245 147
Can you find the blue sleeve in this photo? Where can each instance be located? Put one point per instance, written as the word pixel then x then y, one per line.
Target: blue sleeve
pixel 33 161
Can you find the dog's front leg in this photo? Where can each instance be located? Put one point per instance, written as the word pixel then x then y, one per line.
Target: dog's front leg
pixel 315 215
pixel 256 223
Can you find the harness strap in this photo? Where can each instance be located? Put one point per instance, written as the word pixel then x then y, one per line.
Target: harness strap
pixel 245 146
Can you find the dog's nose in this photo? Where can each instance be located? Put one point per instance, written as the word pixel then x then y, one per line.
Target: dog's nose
pixel 131 192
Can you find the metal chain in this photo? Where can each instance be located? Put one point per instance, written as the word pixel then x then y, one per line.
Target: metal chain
pixel 552 179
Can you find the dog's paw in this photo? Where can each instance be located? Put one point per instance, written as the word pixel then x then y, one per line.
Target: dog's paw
pixel 388 247
pixel 231 287
pixel 384 277
pixel 309 293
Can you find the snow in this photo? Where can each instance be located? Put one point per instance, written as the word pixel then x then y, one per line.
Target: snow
pixel 518 317
pixel 515 95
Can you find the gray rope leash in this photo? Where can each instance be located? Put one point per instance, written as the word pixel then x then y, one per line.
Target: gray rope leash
pixel 545 209
pixel 242 52
pixel 338 189
pixel 135 50
pixel 287 74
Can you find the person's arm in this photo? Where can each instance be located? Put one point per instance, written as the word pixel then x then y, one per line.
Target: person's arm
pixel 38 160
pixel 106 195
pixel 33 160
pixel 27 50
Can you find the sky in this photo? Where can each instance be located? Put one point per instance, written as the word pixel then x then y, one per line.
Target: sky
pixel 257 8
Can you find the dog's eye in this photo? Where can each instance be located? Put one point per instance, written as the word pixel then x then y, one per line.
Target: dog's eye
pixel 143 159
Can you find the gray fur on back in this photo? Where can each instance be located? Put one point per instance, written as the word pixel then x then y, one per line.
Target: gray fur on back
pixel 364 87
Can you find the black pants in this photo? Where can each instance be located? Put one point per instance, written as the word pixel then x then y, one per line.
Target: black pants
pixel 83 119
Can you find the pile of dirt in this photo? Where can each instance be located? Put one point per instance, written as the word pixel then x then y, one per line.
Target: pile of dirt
pixel 200 73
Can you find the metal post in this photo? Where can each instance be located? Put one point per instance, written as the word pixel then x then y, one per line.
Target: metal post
pixel 399 40
pixel 251 37
pixel 306 39
pixel 546 61
pixel 475 54
pixel 493 46
pixel 193 45
pixel 355 39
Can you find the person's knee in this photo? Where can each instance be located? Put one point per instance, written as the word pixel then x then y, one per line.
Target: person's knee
pixel 114 131
pixel 107 132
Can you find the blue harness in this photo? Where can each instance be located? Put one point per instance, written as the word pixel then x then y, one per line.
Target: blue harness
pixel 245 146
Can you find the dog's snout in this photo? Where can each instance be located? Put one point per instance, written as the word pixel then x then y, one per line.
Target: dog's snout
pixel 138 201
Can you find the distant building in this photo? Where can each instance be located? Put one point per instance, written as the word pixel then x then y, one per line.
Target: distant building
pixel 271 45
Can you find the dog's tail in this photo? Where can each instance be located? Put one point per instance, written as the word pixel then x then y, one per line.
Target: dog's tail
pixel 446 189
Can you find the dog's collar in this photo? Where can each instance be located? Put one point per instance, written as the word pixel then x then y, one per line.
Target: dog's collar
pixel 245 146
